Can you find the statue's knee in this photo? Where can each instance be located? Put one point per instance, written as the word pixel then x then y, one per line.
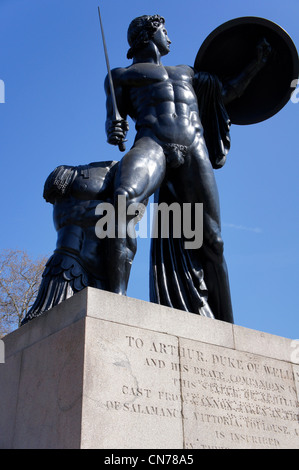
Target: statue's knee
pixel 123 192
pixel 123 196
pixel 126 200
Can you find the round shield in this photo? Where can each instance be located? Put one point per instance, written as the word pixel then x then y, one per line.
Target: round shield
pixel 231 47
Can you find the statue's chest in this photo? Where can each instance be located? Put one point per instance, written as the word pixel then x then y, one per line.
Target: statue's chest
pixel 155 82
pixel 141 75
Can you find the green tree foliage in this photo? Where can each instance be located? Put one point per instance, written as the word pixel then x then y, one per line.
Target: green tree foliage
pixel 20 278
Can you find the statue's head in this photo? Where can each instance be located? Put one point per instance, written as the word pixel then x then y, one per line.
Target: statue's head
pixel 141 31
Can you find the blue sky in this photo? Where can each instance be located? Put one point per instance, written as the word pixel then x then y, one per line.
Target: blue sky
pixel 52 64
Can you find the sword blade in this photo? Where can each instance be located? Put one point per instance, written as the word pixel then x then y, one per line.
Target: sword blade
pixel 114 105
pixel 116 115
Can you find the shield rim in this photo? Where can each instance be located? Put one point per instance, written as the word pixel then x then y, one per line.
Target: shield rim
pixel 224 27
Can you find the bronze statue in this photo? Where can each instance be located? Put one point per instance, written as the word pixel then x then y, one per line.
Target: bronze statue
pixel 183 116
pixel 170 152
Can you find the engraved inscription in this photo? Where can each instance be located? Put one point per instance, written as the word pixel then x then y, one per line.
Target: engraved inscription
pixel 224 398
pixel 240 401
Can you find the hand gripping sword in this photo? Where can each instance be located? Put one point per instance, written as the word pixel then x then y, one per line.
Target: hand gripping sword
pixel 116 116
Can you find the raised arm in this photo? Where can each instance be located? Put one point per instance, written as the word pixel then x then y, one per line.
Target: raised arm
pixel 116 124
pixel 234 88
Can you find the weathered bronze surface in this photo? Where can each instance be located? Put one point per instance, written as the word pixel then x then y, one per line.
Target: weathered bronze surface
pixel 182 114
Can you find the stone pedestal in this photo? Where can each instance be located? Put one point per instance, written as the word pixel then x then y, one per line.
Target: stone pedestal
pixel 110 372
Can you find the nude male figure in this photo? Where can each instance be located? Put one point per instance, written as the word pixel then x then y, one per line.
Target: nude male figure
pixel 169 142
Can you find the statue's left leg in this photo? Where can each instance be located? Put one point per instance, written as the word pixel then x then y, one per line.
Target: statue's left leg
pixel 194 182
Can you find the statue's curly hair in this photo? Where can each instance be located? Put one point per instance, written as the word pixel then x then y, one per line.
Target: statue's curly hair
pixel 141 30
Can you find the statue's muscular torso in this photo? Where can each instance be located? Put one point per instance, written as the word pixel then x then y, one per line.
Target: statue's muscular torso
pixel 161 100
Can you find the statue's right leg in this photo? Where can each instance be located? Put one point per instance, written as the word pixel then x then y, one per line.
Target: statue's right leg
pixel 140 173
